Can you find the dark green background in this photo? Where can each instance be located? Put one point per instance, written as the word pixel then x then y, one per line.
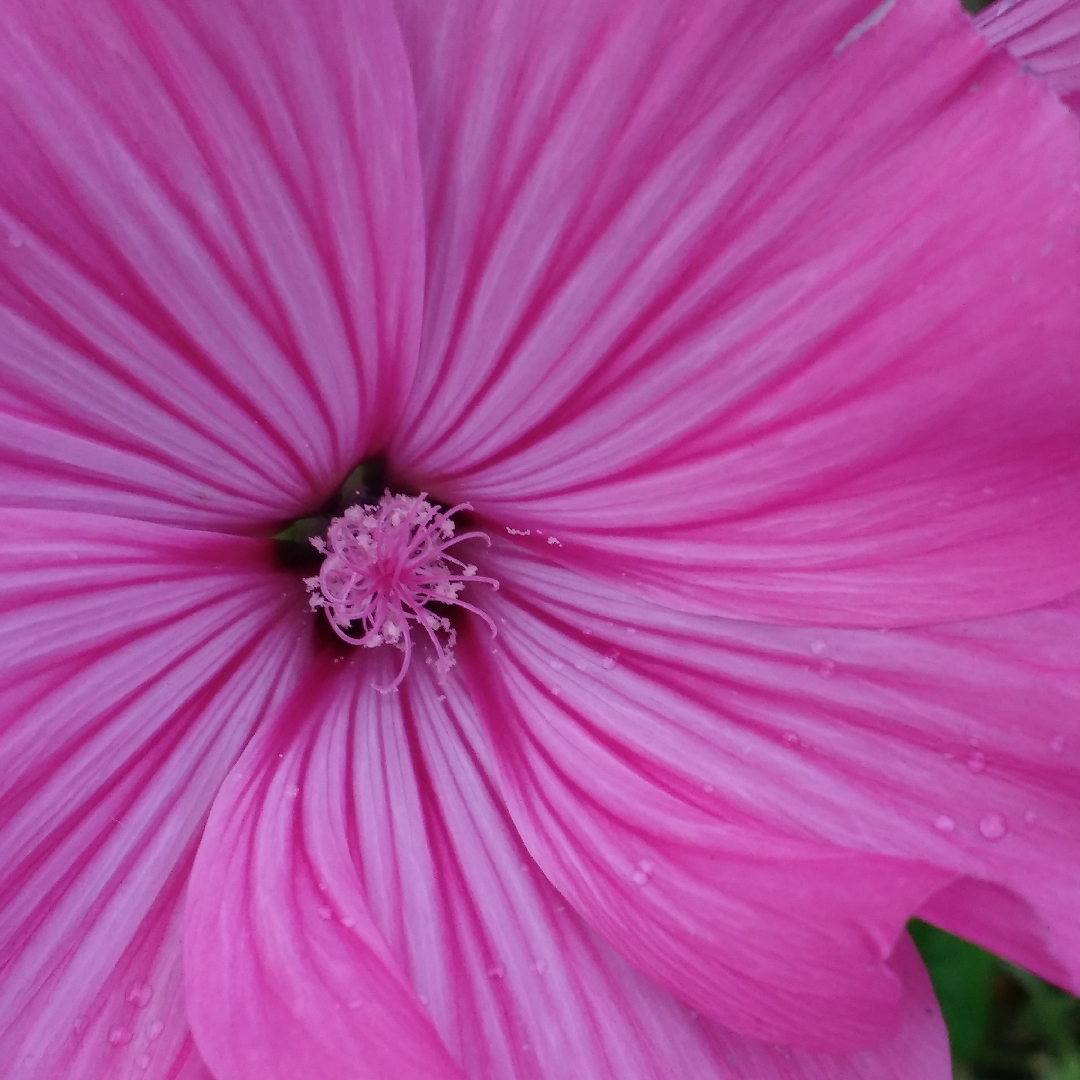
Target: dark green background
pixel 1004 1024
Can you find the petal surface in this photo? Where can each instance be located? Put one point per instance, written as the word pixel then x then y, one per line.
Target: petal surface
pixel 137 661
pixel 954 747
pixel 1044 35
pixel 768 324
pixel 377 911
pixel 211 267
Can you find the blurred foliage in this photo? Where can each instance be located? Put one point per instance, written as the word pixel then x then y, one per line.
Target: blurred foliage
pixel 1004 1023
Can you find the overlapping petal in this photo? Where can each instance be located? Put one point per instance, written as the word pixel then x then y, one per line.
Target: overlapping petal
pixel 379 916
pixel 952 747
pixel 137 661
pixel 1044 35
pixel 778 324
pixel 211 253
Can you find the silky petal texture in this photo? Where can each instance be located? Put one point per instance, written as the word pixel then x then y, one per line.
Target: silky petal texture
pixel 137 661
pixel 405 905
pixel 700 301
pixel 954 747
pixel 211 284
pixel 1044 35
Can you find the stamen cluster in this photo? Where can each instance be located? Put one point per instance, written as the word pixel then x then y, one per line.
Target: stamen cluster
pixel 385 563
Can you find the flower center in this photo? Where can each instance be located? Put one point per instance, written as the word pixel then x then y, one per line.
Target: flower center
pixel 384 564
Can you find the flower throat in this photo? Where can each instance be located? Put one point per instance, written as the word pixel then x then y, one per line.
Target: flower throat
pixel 385 563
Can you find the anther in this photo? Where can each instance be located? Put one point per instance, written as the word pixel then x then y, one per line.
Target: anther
pixel 384 564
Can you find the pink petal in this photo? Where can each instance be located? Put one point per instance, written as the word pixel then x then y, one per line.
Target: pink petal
pixel 776 324
pixel 211 267
pixel 137 660
pixel 362 907
pixel 1044 35
pixel 952 747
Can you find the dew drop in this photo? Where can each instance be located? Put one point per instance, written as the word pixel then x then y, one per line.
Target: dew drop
pixel 708 788
pixel 291 791
pixel 348 922
pixel 557 665
pixel 496 971
pixel 992 826
pixel 817 647
pixel 120 1035
pixel 1030 817
pixel 15 240
pixel 976 761
pixel 643 872
pixel 580 665
pixel 324 912
pixel 610 661
pixel 944 823
pixel 791 739
pixel 539 966
pixel 139 994
pixel 827 669
pixel 423 998
pixel 155 1030
pixel 143 1061
pixel 1057 743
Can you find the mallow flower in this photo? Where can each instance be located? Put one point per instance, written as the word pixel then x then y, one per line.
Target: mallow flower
pixel 734 341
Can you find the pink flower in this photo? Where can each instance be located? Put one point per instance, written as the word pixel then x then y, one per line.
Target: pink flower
pixel 748 330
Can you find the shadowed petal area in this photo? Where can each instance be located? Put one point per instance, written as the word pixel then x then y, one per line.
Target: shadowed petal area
pixel 1044 35
pixel 953 747
pixel 700 301
pixel 137 661
pixel 211 253
pixel 360 888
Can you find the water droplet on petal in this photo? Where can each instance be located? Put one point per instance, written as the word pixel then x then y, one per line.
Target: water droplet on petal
pixel 155 1029
pixel 610 660
pixel 791 739
pixel 976 761
pixel 817 647
pixel 143 1061
pixel 15 240
pixel 324 911
pixel 1057 743
pixel 708 788
pixel 120 1035
pixel 1030 817
pixel 348 922
pixel 496 971
pixel 992 826
pixel 643 872
pixel 539 966
pixel 139 994
pixel 291 791
pixel 944 823
pixel 827 669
